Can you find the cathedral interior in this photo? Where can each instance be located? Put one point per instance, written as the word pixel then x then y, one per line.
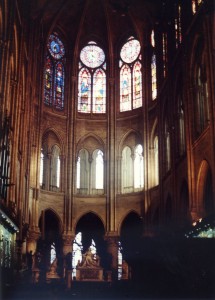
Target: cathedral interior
pixel 107 145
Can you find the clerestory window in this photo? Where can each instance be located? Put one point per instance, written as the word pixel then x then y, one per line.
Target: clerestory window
pixel 54 74
pixel 130 75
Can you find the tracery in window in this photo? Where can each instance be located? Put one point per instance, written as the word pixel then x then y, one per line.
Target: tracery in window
pixel 50 167
pixel 130 75
pixel 54 73
pixel 92 80
pixel 90 172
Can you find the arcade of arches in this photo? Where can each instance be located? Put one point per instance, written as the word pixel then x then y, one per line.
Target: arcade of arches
pixel 107 140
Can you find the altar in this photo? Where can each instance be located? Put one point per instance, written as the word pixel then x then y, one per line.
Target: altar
pixel 89 269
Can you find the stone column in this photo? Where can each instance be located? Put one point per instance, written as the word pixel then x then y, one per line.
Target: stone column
pixel 112 249
pixel 32 238
pixel 67 251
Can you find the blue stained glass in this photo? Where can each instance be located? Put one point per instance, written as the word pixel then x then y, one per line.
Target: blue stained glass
pixel 48 82
pixel 84 100
pixel 99 91
pixel 137 85
pixel 55 47
pixel 125 88
pixel 59 85
pixel 54 73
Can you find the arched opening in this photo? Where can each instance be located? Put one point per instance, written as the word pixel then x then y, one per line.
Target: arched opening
pixel 185 217
pixel 130 235
pixel 90 234
pixel 208 194
pixel 49 246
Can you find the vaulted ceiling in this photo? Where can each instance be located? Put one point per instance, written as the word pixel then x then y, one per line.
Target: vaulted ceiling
pixel 107 20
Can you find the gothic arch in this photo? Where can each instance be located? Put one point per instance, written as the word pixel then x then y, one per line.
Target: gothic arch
pixel 130 139
pixel 55 214
pixel 204 175
pixel 86 213
pixel 90 142
pixel 153 132
pixel 56 138
pixel 123 218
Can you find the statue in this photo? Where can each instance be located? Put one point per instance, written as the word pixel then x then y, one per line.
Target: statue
pixel 89 268
pixel 90 260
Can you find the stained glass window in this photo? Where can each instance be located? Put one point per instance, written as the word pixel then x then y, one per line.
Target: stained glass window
pixel 125 88
pixel 92 80
pixel 153 68
pixel 84 103
pixel 48 82
pixel 130 75
pixel 54 73
pixel 154 77
pixel 195 5
pixel 178 36
pixel 130 50
pixel 59 85
pixel 164 42
pixel 137 85
pixel 99 91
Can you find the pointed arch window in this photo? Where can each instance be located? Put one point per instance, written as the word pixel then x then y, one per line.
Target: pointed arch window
pixel 130 75
pixel 167 147
pixel 153 68
pixel 138 168
pixel 156 161
pixel 178 35
pixel 127 170
pixel 164 45
pixel 132 175
pixel 92 80
pixel 98 167
pixel 83 172
pixel 195 5
pixel 54 76
pixel 202 111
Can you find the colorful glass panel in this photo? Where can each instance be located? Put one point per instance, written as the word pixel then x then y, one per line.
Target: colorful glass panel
pixel 55 47
pixel 130 51
pixel 84 95
pixel 153 39
pixel 164 42
pixel 137 85
pixel 48 82
pixel 125 88
pixel 99 91
pixel 92 56
pixel 59 85
pixel 154 77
